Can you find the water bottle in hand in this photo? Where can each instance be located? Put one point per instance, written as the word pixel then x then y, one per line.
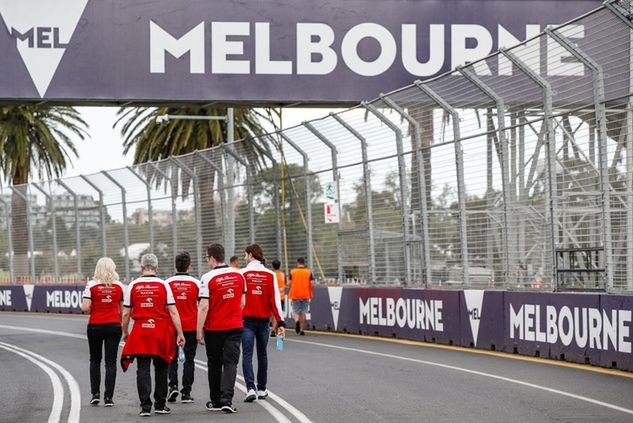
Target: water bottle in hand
pixel 280 343
pixel 181 355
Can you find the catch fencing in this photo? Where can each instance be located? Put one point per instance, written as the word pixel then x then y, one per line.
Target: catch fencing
pixel 512 172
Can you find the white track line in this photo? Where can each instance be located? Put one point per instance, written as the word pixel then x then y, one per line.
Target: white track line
pixel 271 409
pixel 58 387
pixel 75 393
pixel 475 372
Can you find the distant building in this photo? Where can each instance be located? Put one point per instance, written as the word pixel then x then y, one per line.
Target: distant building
pixel 159 217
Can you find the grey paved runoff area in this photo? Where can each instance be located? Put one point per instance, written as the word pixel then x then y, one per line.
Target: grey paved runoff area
pixel 321 378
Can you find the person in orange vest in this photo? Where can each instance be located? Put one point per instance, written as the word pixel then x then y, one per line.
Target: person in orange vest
pixel 281 281
pixel 301 281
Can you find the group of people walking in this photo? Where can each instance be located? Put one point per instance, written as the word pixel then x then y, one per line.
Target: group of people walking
pixel 226 308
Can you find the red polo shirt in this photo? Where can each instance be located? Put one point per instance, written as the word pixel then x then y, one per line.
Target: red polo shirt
pixel 186 290
pixel 149 296
pixel 223 287
pixel 105 302
pixel 262 292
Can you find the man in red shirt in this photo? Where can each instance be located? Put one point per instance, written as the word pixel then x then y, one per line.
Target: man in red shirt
pixel 186 290
pixel 150 302
pixel 262 302
pixel 220 326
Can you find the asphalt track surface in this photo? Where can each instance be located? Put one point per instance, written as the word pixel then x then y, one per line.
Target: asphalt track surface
pixel 317 378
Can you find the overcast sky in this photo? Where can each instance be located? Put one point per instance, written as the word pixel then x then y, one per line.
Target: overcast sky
pixel 104 149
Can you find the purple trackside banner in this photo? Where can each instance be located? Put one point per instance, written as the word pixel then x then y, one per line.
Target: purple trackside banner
pixel 579 327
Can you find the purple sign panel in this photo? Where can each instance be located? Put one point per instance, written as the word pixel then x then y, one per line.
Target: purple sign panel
pixel 279 51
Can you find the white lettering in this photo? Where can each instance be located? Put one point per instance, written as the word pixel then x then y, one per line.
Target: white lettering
pixel 461 54
pixel 516 321
pixel 552 328
pixel 528 312
pixel 307 48
pixel 624 331
pixel 263 64
pixel 435 60
pixel 161 41
pixel 559 61
pixel 5 298
pixel 388 49
pixel 595 323
pixel 580 326
pixel 222 47
pixel 565 314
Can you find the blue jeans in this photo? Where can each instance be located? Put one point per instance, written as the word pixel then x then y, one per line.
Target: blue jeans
pixel 255 331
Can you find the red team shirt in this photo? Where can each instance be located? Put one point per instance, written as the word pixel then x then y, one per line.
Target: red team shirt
pixel 223 287
pixel 186 290
pixel 105 302
pixel 148 297
pixel 262 292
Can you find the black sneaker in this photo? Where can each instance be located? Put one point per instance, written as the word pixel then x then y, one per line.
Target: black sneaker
pixel 298 328
pixel 213 407
pixel 163 410
pixel 229 409
pixel 186 398
pixel 95 399
pixel 273 334
pixel 108 402
pixel 145 412
pixel 172 394
pixel 302 333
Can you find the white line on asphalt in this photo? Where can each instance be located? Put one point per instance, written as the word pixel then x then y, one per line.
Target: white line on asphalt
pixel 283 403
pixel 272 410
pixel 58 387
pixel 474 372
pixel 75 393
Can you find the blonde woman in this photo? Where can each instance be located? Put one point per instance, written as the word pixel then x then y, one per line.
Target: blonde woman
pixel 103 299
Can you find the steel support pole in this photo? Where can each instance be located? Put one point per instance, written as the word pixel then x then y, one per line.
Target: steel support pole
pixel 77 229
pixel 461 191
pixel 7 215
pixel 551 153
pixel 601 126
pixel 421 175
pixel 368 194
pixel 25 198
pixel 150 218
pixel 249 190
pixel 510 247
pixel 174 212
pixel 337 184
pixel 229 242
pixel 220 176
pixel 51 210
pixel 404 187
pixel 308 194
pixel 196 206
pixel 102 215
pixel 276 200
pixel 126 240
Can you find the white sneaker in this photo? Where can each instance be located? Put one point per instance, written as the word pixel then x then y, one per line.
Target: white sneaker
pixel 262 394
pixel 250 396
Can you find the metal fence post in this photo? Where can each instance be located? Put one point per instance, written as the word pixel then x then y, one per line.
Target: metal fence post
pixel 7 215
pixel 196 212
pixel 336 181
pixel 276 200
pixel 459 162
pixel 220 175
pixel 601 126
pixel 308 194
pixel 404 187
pixel 51 210
pixel 174 213
pixel 249 190
pixel 102 214
pixel 77 229
pixel 25 198
pixel 421 175
pixel 550 145
pixel 368 194
pixel 126 240
pixel 508 264
pixel 150 219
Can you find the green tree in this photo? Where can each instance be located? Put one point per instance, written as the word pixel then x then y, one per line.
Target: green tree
pixel 34 139
pixel 152 141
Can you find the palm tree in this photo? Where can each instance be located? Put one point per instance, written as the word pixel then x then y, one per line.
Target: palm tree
pixel 34 139
pixel 155 141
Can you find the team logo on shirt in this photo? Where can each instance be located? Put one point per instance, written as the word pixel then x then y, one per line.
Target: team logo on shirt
pixel 107 299
pixel 182 296
pixel 149 324
pixel 230 293
pixel 148 303
pixel 257 290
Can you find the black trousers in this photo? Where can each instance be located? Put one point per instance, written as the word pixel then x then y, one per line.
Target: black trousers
pixel 191 343
pixel 106 335
pixel 144 381
pixel 223 355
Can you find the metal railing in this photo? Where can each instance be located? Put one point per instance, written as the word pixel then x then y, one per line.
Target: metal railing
pixel 512 172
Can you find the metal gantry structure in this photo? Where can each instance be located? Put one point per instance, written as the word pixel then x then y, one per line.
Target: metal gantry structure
pixel 513 172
